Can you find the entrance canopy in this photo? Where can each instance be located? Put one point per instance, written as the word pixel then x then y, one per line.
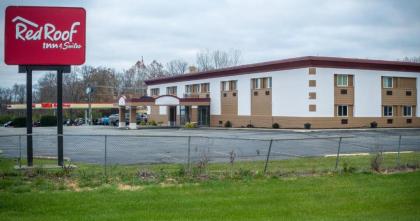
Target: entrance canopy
pixel 165 100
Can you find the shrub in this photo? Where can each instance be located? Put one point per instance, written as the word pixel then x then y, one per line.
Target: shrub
pixel 373 124
pixel 4 119
pixel 250 126
pixel 153 123
pixel 19 122
pixel 276 126
pixel 307 126
pixel 228 124
pixel 190 125
pixel 48 120
pixel 348 169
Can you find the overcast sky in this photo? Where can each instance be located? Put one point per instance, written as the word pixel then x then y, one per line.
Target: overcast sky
pixel 120 32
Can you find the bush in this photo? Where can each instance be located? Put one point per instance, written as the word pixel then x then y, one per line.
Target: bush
pixel 276 126
pixel 307 126
pixel 19 122
pixel 250 126
pixel 4 119
pixel 228 124
pixel 190 125
pixel 48 120
pixel 153 123
pixel 373 124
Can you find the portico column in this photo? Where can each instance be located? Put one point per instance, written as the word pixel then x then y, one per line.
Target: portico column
pixel 194 114
pixel 133 119
pixel 121 115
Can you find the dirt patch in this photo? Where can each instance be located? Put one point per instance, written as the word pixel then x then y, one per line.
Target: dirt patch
pixel 125 187
pixel 73 185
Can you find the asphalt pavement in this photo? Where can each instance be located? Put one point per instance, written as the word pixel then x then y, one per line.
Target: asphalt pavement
pixel 88 143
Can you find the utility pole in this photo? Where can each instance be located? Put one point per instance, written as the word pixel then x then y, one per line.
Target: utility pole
pixel 89 91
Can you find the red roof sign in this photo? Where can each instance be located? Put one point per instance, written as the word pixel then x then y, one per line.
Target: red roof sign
pixel 45 35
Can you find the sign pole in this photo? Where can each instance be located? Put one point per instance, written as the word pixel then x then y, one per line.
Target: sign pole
pixel 60 117
pixel 29 149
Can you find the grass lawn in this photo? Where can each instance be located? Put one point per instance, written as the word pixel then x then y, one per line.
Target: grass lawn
pixel 363 195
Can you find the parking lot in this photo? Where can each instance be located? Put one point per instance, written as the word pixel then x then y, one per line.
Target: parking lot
pixel 87 144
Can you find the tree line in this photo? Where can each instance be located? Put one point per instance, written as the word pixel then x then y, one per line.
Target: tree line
pixel 109 84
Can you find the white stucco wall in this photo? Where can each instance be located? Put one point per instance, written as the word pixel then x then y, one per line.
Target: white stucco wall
pixel 290 92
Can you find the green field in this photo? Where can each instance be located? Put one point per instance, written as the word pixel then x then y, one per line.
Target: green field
pixel 300 189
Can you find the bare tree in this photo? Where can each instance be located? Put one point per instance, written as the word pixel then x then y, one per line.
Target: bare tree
pixel 156 70
pixel 412 59
pixel 176 67
pixel 47 86
pixel 18 91
pixel 204 60
pixel 209 60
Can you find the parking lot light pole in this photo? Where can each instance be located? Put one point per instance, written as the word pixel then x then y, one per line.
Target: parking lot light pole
pixel 89 91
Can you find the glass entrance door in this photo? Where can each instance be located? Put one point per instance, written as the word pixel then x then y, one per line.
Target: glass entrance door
pixel 185 114
pixel 172 115
pixel 203 115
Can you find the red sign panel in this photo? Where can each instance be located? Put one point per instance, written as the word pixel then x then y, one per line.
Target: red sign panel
pixel 45 35
pixel 66 105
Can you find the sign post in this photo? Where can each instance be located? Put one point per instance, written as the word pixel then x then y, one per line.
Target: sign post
pixel 44 39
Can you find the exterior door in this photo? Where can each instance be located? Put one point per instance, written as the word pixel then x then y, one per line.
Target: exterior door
pixel 203 115
pixel 185 114
pixel 172 115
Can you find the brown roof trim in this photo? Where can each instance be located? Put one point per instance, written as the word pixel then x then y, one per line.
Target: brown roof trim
pixel 141 99
pixel 294 63
pixel 152 99
pixel 193 99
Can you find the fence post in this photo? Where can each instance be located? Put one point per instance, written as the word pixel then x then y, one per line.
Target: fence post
pixel 189 155
pixel 398 151
pixel 105 157
pixel 338 153
pixel 268 156
pixel 20 151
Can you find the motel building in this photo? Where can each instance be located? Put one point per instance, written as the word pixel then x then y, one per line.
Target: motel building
pixel 327 92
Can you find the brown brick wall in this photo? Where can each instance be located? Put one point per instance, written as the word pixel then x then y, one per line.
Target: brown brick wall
pixel 229 102
pixel 316 122
pixel 261 102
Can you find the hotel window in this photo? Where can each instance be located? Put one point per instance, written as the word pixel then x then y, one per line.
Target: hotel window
pixel 407 111
pixel 188 89
pixel 195 88
pixel 205 88
pixel 228 85
pixel 225 85
pixel 387 81
pixel 261 83
pixel 256 83
pixel 232 85
pixel 342 110
pixel 342 80
pixel 387 111
pixel 171 90
pixel 192 88
pixel 154 91
pixel 269 84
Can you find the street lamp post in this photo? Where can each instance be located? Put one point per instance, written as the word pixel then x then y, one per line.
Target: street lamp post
pixel 89 91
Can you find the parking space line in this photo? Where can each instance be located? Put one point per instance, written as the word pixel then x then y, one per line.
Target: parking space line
pixel 364 154
pixel 221 153
pixel 287 154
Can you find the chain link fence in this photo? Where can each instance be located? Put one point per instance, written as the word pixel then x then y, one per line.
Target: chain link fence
pixel 214 155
